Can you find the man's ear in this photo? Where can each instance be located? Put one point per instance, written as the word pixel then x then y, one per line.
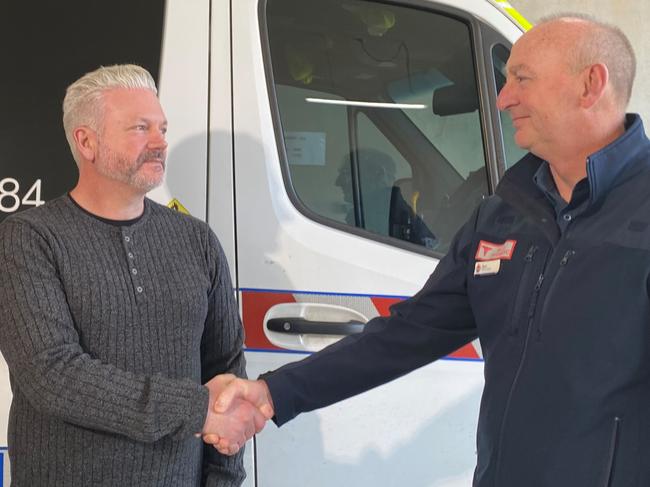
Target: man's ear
pixel 85 140
pixel 595 79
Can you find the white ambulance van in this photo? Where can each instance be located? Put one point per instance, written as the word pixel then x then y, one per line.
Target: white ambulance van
pixel 334 146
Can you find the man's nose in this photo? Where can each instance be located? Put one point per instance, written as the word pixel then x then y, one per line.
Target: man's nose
pixel 158 140
pixel 505 99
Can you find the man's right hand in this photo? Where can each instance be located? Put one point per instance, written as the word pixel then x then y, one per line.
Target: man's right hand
pixel 229 428
pixel 238 399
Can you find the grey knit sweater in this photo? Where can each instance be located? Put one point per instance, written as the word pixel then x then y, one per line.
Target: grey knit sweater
pixel 108 332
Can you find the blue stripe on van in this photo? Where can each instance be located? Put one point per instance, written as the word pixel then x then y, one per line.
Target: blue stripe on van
pixel 300 352
pixel 270 350
pixel 319 293
pixel 2 466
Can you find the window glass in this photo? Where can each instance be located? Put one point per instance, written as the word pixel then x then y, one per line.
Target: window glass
pixel 381 167
pixel 380 116
pixel 317 144
pixel 454 127
pixel 513 152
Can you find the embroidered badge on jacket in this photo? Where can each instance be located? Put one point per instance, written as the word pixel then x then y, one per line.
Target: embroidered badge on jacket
pixel 493 251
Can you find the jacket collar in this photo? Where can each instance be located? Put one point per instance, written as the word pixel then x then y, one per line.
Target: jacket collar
pixel 617 161
pixel 606 168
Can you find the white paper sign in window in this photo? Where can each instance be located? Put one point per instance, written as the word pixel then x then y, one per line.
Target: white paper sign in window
pixel 305 148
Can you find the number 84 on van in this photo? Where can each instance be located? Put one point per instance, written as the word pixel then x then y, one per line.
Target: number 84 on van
pixel 10 200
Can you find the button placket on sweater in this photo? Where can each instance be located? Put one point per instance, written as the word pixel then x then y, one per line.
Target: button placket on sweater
pixel 127 243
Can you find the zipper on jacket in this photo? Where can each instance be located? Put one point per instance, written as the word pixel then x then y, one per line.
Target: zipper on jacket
pixel 531 253
pixel 519 296
pixel 563 263
pixel 612 452
pixel 506 409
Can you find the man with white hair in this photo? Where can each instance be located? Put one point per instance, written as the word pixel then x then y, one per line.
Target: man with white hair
pixel 114 310
pixel 552 273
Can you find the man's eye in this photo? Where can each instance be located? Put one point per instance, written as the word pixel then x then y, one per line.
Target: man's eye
pixel 141 127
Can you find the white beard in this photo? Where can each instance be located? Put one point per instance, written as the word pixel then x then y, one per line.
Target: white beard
pixel 115 166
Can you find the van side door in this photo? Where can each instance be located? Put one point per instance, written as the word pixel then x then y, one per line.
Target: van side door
pixel 362 142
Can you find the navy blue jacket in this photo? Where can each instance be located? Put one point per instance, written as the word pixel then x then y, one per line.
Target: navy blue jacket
pixel 564 327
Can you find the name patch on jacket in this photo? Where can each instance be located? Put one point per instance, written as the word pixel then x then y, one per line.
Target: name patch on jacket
pixel 492 251
pixel 487 267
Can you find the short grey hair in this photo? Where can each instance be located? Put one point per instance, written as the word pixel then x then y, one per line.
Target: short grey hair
pixel 82 104
pixel 606 44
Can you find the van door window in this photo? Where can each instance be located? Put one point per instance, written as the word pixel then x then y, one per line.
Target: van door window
pixel 379 113
pixel 512 151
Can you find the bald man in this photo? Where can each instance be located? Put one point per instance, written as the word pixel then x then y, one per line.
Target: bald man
pixel 551 273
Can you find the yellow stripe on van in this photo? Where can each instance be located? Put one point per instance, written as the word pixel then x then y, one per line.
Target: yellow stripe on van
pixel 512 13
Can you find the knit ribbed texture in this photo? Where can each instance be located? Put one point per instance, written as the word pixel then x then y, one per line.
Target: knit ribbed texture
pixel 108 332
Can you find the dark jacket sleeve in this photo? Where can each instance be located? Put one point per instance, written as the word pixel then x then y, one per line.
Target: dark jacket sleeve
pixel 221 352
pixel 42 348
pixel 431 324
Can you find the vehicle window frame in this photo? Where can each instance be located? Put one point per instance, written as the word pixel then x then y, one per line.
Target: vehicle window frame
pixel 491 39
pixel 507 162
pixel 485 90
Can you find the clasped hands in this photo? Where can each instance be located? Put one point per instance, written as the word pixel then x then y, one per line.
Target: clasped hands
pixel 237 409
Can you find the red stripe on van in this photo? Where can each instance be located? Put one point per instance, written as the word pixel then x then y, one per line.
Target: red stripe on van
pixel 383 304
pixel 255 304
pixel 466 351
pixel 254 307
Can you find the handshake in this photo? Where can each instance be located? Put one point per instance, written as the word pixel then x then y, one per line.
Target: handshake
pixel 237 409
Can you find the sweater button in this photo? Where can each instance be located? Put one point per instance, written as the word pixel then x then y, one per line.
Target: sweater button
pixel 134 271
pixel 567 217
pixel 139 289
pixel 127 238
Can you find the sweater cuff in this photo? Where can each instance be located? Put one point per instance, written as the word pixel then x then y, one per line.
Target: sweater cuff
pixel 197 411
